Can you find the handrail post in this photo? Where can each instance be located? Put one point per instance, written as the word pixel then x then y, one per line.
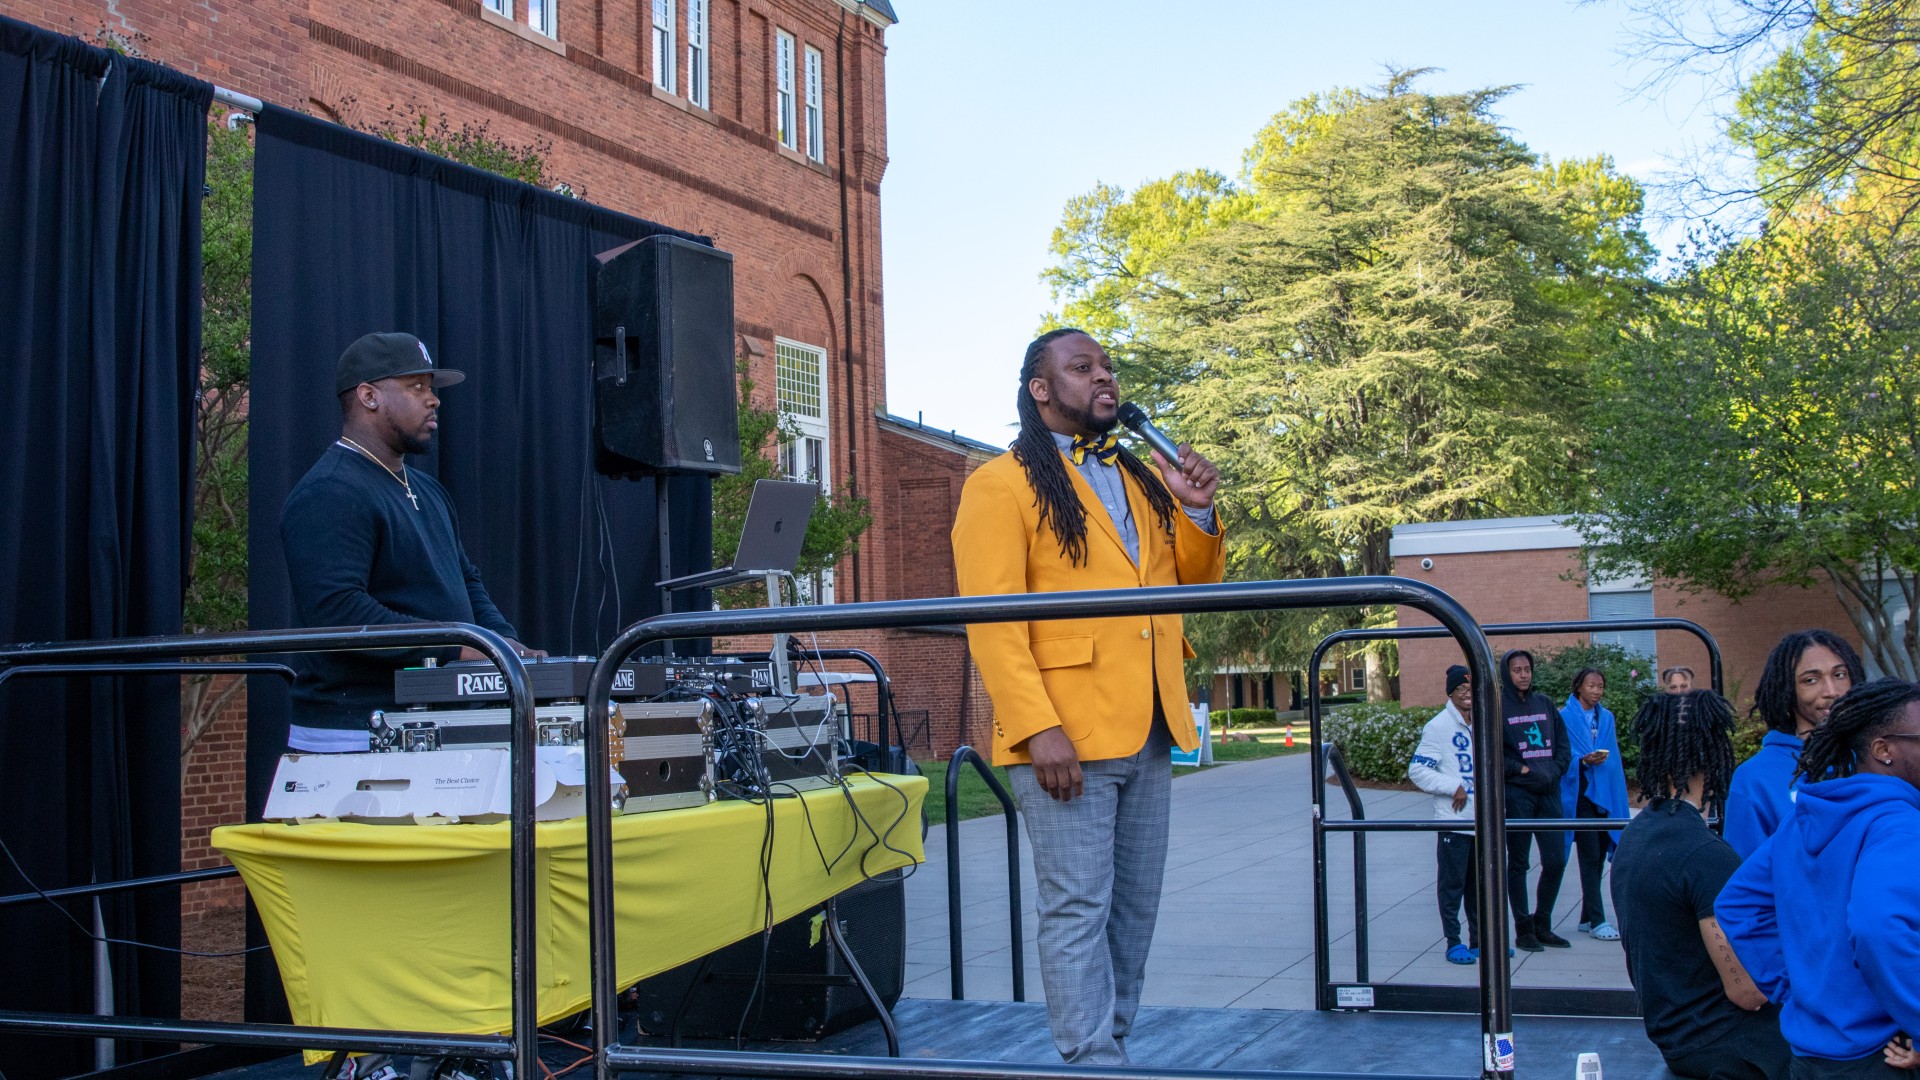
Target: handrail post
pixel 1322 933
pixel 1362 960
pixel 955 949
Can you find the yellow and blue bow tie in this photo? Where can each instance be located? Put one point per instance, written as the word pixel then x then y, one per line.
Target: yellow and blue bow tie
pixel 1103 447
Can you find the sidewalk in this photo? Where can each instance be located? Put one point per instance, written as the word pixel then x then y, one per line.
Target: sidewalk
pixel 1236 915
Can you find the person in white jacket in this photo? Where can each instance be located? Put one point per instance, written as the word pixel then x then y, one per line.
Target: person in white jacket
pixel 1443 767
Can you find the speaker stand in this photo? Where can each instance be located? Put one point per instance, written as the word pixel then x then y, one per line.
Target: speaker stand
pixel 782 664
pixel 666 553
pixel 860 976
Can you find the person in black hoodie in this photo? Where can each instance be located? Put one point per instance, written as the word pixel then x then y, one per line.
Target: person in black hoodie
pixel 1536 756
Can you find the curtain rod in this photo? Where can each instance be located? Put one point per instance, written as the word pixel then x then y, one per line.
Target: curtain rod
pixel 238 100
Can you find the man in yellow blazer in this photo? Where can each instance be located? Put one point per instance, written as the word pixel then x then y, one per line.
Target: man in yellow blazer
pixel 1086 710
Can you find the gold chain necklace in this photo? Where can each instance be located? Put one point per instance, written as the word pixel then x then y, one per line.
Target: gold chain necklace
pixel 401 476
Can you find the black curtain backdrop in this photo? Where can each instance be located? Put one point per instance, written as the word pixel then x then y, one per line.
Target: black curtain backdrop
pixel 354 234
pixel 102 165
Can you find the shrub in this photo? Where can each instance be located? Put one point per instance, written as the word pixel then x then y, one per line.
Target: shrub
pixel 1232 718
pixel 1630 682
pixel 1377 739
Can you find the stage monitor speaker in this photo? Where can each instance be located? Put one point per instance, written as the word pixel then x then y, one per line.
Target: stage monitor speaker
pixel 664 397
pixel 808 993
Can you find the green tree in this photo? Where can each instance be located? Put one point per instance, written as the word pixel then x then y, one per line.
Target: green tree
pixel 472 144
pixel 1387 318
pixel 833 531
pixel 1828 93
pixel 216 599
pixel 1761 425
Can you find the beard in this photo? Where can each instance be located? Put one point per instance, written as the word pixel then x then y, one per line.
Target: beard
pixel 417 443
pixel 1084 418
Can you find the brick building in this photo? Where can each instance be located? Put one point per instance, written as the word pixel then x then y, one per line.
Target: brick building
pixel 1529 570
pixel 761 123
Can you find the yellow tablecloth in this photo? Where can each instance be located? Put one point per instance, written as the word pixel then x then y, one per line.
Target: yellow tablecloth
pixel 406 927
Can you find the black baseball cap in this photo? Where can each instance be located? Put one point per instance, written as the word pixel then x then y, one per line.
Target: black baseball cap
pixel 389 356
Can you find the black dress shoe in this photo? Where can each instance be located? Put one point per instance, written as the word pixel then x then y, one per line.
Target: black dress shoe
pixel 1549 938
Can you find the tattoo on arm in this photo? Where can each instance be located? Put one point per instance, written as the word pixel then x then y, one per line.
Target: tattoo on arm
pixel 1734 980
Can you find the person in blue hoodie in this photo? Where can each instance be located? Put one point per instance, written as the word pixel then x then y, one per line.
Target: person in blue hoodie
pixel 1595 786
pixel 1826 913
pixel 1805 674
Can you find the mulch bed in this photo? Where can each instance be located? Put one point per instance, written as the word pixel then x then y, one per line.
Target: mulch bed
pixel 213 988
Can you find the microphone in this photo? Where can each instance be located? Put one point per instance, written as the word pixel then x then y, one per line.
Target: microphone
pixel 1136 420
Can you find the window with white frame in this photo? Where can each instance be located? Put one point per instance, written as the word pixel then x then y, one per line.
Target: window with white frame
pixel 1620 604
pixel 663 44
pixel 499 7
pixel 783 117
pixel 1359 677
pixel 697 78
pixel 816 134
pixel 544 16
pixel 800 390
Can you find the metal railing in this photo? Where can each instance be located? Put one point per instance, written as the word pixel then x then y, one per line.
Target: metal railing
pixel 612 1056
pixel 161 654
pixel 1430 997
pixel 112 670
pixel 956 952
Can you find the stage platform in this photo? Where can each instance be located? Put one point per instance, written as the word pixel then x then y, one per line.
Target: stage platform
pixel 1379 1043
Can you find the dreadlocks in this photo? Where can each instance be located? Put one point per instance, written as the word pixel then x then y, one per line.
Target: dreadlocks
pixel 1773 697
pixel 1036 452
pixel 1683 736
pixel 1868 711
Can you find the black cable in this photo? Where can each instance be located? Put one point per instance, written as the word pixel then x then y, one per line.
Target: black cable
pixel 613 555
pixel 846 793
pixel 88 933
pixel 766 925
pixel 825 864
pixel 885 839
pixel 580 548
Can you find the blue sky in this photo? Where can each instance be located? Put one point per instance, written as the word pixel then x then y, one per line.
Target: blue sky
pixel 998 113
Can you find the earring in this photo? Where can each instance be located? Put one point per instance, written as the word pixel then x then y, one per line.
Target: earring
pixel 1886 761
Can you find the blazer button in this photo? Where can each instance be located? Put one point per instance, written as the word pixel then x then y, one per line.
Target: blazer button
pixel 1146 633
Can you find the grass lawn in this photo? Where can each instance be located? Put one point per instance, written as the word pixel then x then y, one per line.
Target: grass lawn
pixel 976 800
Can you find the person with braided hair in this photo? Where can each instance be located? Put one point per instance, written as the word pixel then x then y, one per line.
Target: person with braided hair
pixel 1700 1007
pixel 1826 913
pixel 1085 710
pixel 1804 675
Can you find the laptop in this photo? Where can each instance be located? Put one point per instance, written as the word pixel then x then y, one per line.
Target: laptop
pixel 770 539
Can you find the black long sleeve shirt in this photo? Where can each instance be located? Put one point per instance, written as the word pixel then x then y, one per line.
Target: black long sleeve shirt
pixel 359 554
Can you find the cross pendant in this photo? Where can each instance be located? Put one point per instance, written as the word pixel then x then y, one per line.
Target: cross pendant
pixel 414 499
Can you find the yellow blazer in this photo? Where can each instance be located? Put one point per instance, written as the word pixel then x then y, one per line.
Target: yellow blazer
pixel 1095 678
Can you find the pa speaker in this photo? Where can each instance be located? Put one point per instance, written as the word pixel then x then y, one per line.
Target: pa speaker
pixel 664 398
pixel 808 992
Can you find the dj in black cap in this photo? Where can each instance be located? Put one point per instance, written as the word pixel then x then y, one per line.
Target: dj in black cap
pixel 369 541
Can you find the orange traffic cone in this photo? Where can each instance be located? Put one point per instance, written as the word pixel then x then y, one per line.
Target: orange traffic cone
pixel 1289 734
